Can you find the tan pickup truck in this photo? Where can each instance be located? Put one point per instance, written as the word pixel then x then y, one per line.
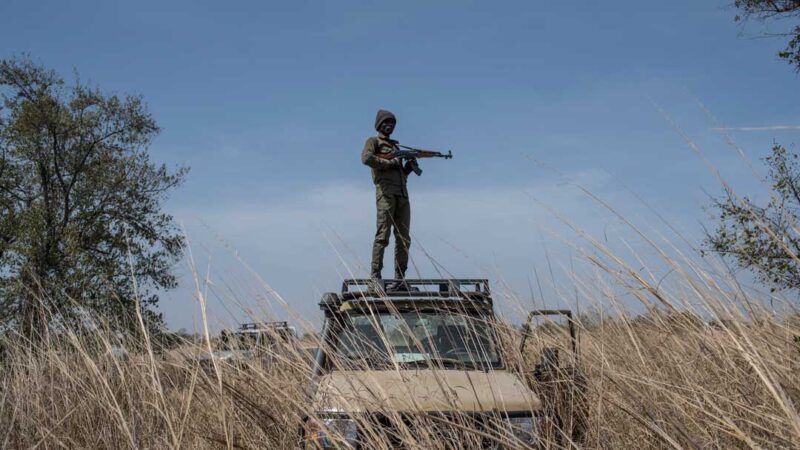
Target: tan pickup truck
pixel 422 367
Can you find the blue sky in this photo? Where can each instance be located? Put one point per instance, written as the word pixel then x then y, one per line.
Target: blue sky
pixel 270 103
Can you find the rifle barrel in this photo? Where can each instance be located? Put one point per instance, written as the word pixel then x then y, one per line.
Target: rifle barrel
pixel 432 153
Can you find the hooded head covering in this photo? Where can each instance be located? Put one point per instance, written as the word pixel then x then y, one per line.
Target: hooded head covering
pixel 382 116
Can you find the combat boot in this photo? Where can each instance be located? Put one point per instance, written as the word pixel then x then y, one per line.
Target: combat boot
pixel 397 286
pixel 375 285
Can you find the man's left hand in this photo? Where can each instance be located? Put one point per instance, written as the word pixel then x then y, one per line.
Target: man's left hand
pixel 410 166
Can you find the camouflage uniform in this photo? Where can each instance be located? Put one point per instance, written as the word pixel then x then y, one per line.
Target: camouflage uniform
pixel 391 198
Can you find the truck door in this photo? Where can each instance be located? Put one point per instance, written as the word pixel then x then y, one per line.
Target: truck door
pixel 549 351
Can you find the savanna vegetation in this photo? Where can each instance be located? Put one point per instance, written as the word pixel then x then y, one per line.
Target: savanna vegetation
pixel 82 231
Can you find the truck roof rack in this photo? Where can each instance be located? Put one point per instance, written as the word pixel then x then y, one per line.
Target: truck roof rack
pixel 261 325
pixel 454 289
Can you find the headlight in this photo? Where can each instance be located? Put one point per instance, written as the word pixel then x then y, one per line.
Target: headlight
pixel 333 433
pixel 525 429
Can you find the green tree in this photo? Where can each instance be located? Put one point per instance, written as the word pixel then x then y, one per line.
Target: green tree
pixel 82 232
pixel 776 10
pixel 764 239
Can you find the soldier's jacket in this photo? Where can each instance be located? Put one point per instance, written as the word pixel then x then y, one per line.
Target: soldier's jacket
pixel 389 176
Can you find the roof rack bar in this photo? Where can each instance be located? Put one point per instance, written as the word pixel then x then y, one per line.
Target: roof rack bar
pixel 257 325
pixel 452 285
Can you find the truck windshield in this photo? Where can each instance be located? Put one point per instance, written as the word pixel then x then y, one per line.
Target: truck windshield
pixel 440 338
pixel 249 340
pixel 239 341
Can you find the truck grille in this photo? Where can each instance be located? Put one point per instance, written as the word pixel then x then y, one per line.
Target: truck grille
pixel 461 431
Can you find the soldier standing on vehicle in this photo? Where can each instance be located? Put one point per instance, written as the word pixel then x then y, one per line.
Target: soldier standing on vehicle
pixel 391 196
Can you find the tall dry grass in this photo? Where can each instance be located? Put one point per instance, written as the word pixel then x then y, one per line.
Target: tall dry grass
pixel 659 380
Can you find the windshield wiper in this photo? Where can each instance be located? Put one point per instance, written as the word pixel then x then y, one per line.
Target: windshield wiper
pixel 443 362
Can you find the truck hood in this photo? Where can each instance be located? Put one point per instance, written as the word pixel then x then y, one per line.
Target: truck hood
pixel 423 391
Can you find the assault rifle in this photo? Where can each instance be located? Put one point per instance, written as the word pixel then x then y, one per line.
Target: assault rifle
pixel 412 154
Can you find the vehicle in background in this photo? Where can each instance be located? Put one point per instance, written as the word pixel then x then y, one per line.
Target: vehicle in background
pixel 256 342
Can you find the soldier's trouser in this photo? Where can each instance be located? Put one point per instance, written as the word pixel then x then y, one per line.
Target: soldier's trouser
pixel 394 212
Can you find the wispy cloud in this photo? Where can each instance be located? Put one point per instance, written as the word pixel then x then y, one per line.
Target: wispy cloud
pixel 765 128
